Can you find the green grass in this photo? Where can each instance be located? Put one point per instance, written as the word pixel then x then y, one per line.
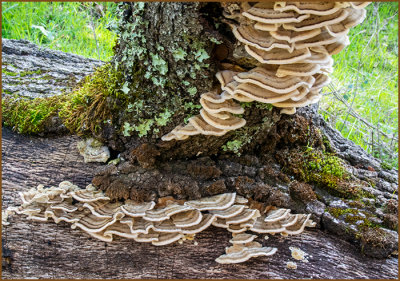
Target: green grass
pixel 62 26
pixel 365 77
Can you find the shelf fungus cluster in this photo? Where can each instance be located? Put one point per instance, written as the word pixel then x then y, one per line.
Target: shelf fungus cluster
pixel 161 223
pixel 293 43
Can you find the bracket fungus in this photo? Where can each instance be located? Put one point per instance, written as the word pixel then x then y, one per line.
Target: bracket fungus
pixel 163 223
pixel 293 43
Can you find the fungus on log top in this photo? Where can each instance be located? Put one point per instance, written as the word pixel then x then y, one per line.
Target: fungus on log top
pixel 163 223
pixel 292 40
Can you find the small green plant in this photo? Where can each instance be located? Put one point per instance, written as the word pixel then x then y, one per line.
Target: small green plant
pixel 233 146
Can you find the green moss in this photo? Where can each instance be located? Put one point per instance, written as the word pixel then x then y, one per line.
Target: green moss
pixel 26 73
pixel 84 110
pixel 353 217
pixel 9 73
pixel 327 171
pixel 337 212
pixel 98 97
pixel 30 116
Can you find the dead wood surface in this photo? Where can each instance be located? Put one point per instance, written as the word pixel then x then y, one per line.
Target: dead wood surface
pixel 47 250
pixel 31 71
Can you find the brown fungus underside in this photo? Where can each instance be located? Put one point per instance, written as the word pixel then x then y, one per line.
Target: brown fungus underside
pixel 293 43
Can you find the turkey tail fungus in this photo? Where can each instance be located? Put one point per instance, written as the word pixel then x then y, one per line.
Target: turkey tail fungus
pixel 293 42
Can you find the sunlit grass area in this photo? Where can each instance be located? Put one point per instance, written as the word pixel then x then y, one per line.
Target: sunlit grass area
pixel 72 27
pixel 361 102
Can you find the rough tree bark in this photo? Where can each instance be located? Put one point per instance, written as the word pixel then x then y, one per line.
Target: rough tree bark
pixel 169 54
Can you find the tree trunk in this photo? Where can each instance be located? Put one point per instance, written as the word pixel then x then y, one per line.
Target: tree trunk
pixel 168 54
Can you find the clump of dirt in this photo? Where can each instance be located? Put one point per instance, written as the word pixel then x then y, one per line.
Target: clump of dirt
pixel 302 191
pixel 377 242
pixel 145 155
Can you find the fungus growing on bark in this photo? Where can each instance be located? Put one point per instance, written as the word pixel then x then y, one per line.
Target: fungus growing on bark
pixel 93 150
pixel 291 40
pixel 161 224
pixel 242 253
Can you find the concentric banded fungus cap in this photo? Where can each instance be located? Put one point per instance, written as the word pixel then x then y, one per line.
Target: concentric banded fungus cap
pixel 321 80
pixel 236 248
pixel 228 89
pixel 135 209
pixel 89 195
pixel 172 135
pixel 262 95
pixel 277 56
pixel 217 202
pixel 314 8
pixel 288 111
pixel 229 212
pixel 242 238
pixel 309 99
pixel 225 76
pixel 206 221
pixel 260 226
pixel 259 39
pixel 241 200
pixel 101 236
pixel 138 225
pixel 226 106
pixel 103 209
pixel 187 130
pixel 60 215
pixel 218 222
pixel 318 57
pixel 354 18
pixel 299 226
pixel 204 128
pixel 147 237
pixel 337 46
pixel 324 38
pixel 264 13
pixel 245 255
pixel 166 226
pixel 213 97
pixel 316 22
pixel 266 26
pixel 236 228
pixel 298 69
pixel 290 220
pixel 119 229
pixel 165 213
pixel 245 215
pixel 92 223
pixel 231 123
pixel 64 206
pixel 292 36
pixel 359 5
pixel 276 215
pixel 167 238
pixel 187 219
pixel 268 80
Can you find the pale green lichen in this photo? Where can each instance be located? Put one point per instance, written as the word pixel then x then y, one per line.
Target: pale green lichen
pixel 233 146
pixel 179 54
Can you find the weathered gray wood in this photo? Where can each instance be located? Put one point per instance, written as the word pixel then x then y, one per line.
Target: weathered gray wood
pixel 47 250
pixel 31 71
